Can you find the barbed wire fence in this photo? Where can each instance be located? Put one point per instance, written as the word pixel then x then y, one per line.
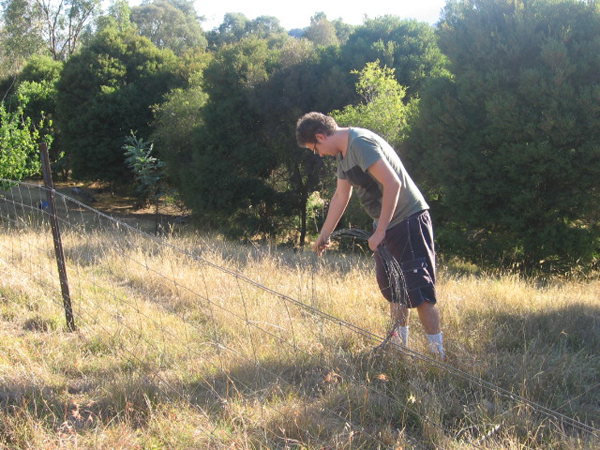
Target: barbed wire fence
pixel 197 330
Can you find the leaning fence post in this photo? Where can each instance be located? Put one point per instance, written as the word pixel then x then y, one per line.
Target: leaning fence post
pixel 58 248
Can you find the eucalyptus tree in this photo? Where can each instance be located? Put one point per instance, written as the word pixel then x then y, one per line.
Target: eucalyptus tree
pixel 59 24
pixel 236 26
pixel 321 31
pixel 117 16
pixel 21 34
pixel 231 30
pixel 170 24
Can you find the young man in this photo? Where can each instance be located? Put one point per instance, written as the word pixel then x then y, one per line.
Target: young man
pixel 367 163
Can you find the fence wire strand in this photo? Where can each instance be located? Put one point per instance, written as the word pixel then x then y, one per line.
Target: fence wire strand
pixel 206 313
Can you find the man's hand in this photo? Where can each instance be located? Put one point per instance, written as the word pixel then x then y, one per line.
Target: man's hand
pixel 376 239
pixel 322 244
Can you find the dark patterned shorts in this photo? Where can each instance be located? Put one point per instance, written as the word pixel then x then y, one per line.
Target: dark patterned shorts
pixel 411 243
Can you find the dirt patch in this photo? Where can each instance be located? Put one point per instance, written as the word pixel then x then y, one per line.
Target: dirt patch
pixel 126 207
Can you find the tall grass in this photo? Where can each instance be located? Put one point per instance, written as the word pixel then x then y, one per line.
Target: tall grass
pixel 177 350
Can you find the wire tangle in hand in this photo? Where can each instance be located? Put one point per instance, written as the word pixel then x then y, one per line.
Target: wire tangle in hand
pixel 392 266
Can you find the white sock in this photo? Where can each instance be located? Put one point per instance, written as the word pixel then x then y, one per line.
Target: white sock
pixel 400 336
pixel 436 344
pixel 403 332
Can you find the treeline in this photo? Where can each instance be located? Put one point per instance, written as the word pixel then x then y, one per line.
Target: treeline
pixel 494 110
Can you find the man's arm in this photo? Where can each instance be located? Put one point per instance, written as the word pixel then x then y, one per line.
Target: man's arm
pixel 337 206
pixel 390 182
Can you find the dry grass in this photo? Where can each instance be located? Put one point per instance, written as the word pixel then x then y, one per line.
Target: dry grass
pixel 178 352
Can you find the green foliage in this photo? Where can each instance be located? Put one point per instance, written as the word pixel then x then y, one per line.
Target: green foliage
pixel 237 26
pixel 41 68
pixel 408 46
pixel 245 173
pixel 509 145
pixel 21 32
pixel 176 122
pixel 170 24
pixel 37 82
pixel 503 138
pixel 321 31
pixel 19 139
pixel 118 17
pixel 265 27
pixel 305 78
pixel 178 118
pixel 227 178
pixel 382 110
pixel 343 30
pixel 148 170
pixel 48 26
pixel 105 91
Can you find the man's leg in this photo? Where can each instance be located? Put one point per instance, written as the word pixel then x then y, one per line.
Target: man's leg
pixel 411 243
pixel 399 315
pixel 430 318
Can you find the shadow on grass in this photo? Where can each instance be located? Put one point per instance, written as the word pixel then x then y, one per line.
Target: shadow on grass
pixel 343 403
pixel 549 357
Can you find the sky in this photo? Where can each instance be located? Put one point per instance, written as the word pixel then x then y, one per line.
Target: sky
pixel 297 14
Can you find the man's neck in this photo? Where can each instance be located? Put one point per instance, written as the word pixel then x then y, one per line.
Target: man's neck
pixel 342 135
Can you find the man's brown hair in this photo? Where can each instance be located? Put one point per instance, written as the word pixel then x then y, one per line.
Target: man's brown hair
pixel 311 124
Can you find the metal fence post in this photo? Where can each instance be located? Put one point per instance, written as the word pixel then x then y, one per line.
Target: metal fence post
pixel 58 248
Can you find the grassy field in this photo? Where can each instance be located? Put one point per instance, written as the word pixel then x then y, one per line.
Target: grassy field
pixel 190 342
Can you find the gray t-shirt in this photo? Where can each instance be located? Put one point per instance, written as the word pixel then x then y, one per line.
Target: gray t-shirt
pixel 364 149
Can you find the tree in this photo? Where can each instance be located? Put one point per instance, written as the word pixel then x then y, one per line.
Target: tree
pixel 227 179
pixel 245 172
pixel 509 144
pixel 147 169
pixel 237 26
pixel 37 83
pixel 408 46
pixel 21 34
pixel 118 17
pixel 104 92
pixel 381 110
pixel 64 22
pixel 297 76
pixel 59 24
pixel 19 140
pixel 263 27
pixel 304 77
pixel 170 24
pixel 232 29
pixel 321 31
pixel 343 30
pixel 177 120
